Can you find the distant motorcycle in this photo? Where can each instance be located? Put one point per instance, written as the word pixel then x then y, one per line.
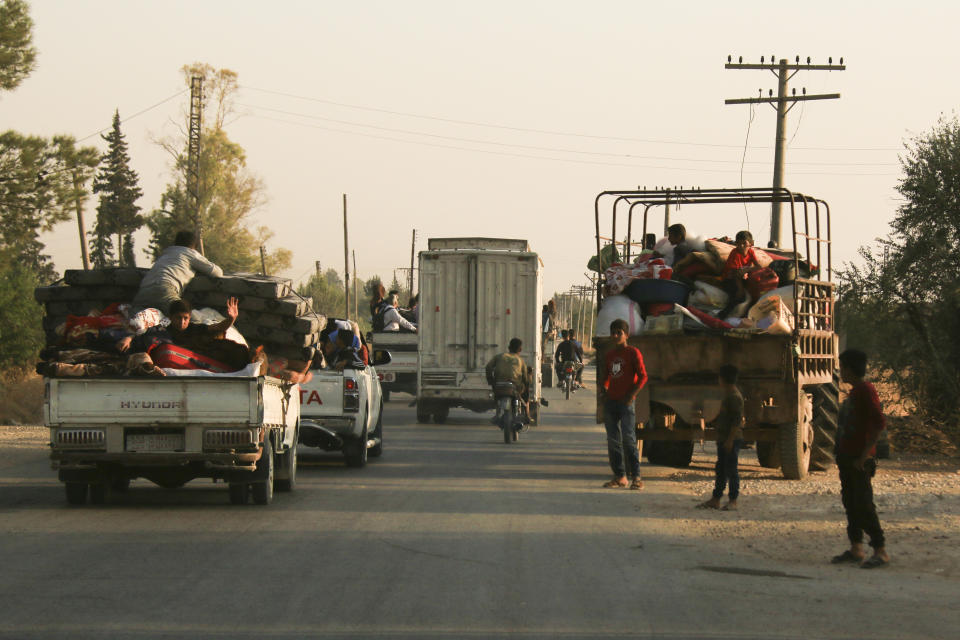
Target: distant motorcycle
pixel 509 416
pixel 569 372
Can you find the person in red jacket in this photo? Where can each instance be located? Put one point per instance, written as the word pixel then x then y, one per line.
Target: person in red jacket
pixel 861 421
pixel 622 377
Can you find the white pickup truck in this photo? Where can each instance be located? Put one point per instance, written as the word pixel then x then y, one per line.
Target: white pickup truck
pixel 106 431
pixel 401 373
pixel 343 411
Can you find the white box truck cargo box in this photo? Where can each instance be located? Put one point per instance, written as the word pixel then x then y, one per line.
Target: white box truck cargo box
pixel 475 295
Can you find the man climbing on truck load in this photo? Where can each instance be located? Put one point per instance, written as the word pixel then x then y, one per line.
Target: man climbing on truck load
pixel 173 271
pixel 510 367
pixel 622 377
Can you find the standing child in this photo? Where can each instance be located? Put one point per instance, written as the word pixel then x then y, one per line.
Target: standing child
pixel 860 424
pixel 622 377
pixel 729 425
pixel 741 261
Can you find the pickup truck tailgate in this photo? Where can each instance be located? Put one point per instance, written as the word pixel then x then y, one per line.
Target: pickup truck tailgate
pixel 152 401
pixel 323 395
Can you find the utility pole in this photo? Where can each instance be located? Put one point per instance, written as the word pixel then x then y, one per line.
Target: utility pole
pixel 77 191
pixel 263 261
pixel 346 261
pixel 784 72
pixel 193 154
pixel 413 246
pixel 356 295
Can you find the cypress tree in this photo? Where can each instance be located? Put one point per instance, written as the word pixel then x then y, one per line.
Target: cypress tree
pixel 117 214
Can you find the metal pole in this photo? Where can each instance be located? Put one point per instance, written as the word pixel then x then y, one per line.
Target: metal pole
pixel 666 215
pixel 593 293
pixel 346 262
pixel 356 295
pixel 193 153
pixel 77 191
pixel 413 245
pixel 263 261
pixel 779 151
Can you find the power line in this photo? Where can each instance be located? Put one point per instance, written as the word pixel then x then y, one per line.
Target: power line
pixel 537 157
pixel 536 147
pixel 475 123
pixel 138 113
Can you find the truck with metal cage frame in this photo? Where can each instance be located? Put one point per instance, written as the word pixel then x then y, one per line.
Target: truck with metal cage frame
pixel 789 382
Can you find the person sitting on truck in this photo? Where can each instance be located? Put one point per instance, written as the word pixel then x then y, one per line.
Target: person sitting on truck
pixel 677 236
pixel 208 339
pixel 412 312
pixel 391 320
pixel 741 262
pixel 729 426
pixel 378 299
pixel 173 270
pixel 510 367
pixel 345 355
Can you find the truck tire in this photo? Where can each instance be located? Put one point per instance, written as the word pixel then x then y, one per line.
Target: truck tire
pixel 441 413
pixel 262 490
pixel 355 451
pixel 768 455
pixel 239 492
pixel 423 412
pixel 377 450
pixel 796 441
pixel 679 453
pixel 826 409
pixel 98 493
pixel 76 492
pixel 286 474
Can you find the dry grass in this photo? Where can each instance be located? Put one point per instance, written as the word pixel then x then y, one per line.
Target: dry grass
pixel 21 398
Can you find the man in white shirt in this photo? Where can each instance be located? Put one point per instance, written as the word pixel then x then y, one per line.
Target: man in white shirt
pixel 173 271
pixel 393 321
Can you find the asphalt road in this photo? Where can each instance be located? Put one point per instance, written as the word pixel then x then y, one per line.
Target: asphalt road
pixel 450 534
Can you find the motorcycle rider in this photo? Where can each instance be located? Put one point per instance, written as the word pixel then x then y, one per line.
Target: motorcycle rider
pixel 570 351
pixel 510 367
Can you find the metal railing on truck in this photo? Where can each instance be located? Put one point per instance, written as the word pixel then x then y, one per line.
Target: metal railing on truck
pixel 814 320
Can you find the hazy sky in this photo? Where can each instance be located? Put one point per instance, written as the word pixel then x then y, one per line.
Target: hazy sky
pixel 499 118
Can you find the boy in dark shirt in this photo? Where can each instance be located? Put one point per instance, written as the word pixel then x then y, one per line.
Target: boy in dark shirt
pixel 729 425
pixel 622 377
pixel 861 421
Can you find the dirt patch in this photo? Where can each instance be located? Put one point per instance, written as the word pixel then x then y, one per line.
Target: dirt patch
pixel 21 399
pixel 918 499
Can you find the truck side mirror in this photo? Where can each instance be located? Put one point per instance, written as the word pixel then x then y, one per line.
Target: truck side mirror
pixel 381 357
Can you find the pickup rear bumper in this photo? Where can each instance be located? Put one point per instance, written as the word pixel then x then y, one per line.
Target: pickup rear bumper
pixel 325 433
pixel 90 459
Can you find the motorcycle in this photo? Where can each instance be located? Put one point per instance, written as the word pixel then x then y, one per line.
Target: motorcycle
pixel 509 416
pixel 569 372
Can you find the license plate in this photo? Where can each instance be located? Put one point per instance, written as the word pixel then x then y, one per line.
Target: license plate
pixel 155 442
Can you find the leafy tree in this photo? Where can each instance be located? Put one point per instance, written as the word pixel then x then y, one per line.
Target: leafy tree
pixel 117 212
pixel 229 192
pixel 80 164
pixel 17 55
pixel 903 303
pixel 21 335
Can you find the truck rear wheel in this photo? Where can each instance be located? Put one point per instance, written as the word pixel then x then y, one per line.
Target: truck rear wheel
pixel 768 455
pixel 441 413
pixel 286 473
pixel 796 441
pixel 76 492
pixel 98 493
pixel 423 413
pixel 826 409
pixel 377 450
pixel 669 453
pixel 239 493
pixel 355 450
pixel 262 490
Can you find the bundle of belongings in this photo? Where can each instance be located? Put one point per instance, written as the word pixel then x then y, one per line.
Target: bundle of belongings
pixel 93 329
pixel 714 285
